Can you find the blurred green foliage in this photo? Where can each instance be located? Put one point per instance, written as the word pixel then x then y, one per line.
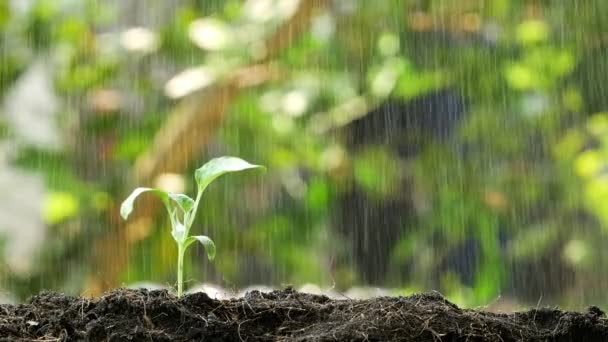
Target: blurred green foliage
pixel 524 191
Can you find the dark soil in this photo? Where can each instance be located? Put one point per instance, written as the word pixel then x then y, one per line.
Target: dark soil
pixel 142 315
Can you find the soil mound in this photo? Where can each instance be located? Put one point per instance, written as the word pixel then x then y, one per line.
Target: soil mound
pixel 286 315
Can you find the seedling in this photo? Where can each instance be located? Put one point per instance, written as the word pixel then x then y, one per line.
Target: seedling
pixel 182 209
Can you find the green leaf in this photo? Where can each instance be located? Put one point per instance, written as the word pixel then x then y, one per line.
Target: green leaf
pixel 127 206
pixel 206 241
pixel 184 202
pixel 219 166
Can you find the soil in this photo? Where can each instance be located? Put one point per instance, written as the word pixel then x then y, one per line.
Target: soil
pixel 286 315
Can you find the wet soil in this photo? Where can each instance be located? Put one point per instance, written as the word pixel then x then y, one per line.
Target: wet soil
pixel 286 315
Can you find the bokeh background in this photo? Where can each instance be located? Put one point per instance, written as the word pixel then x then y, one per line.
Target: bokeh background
pixel 411 145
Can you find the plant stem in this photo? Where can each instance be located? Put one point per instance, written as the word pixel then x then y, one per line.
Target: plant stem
pixel 180 269
pixel 194 210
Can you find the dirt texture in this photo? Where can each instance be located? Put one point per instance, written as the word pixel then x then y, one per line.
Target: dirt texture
pixel 286 315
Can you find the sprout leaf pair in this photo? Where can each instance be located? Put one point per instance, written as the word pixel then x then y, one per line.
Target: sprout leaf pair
pixel 182 209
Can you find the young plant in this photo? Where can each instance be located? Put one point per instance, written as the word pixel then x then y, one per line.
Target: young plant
pixel 182 209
